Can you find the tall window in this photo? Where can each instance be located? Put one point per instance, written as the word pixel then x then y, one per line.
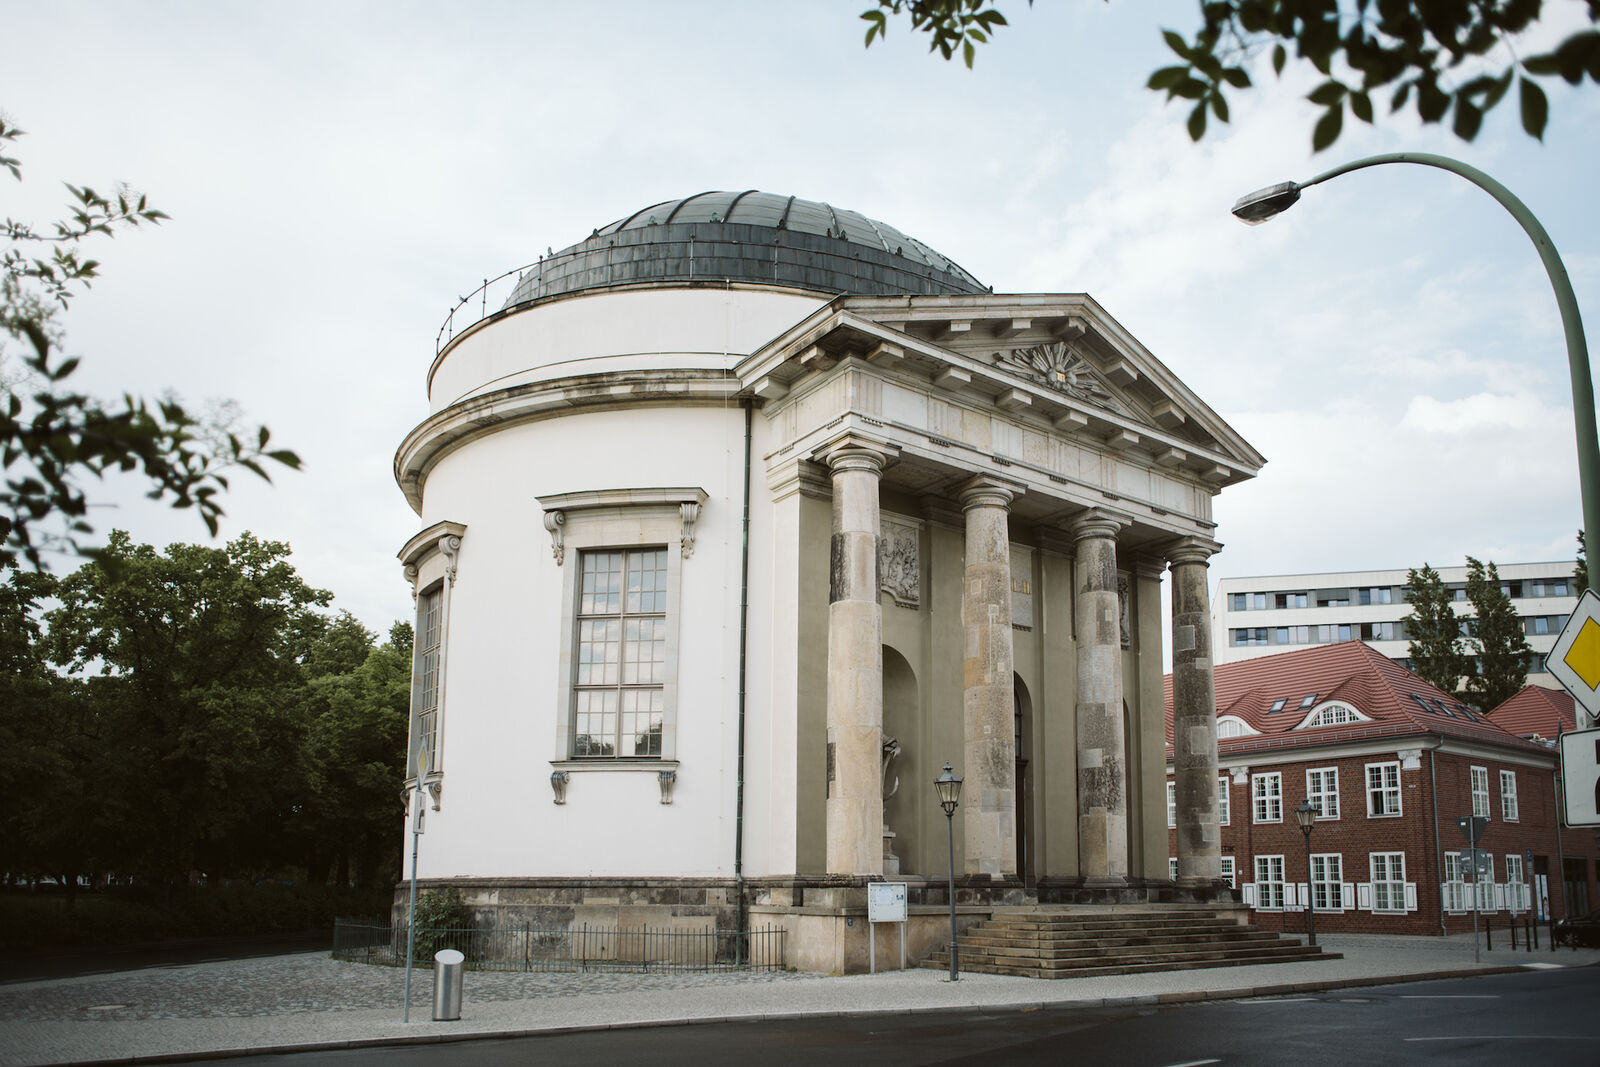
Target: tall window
pixel 1480 791
pixel 1322 789
pixel 1228 874
pixel 1383 789
pixel 425 677
pixel 1455 883
pixel 1327 882
pixel 1516 888
pixel 1508 796
pixel 1224 808
pixel 1172 805
pixel 618 700
pixel 1269 883
pixel 1267 791
pixel 1388 881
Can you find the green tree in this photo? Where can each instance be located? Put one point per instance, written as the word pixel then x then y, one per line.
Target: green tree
pixel 1580 570
pixel 355 750
pixel 1503 652
pixel 1434 629
pixel 1445 59
pixel 53 437
pixel 193 664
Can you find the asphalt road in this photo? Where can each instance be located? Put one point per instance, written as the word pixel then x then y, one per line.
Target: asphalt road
pixel 1548 1017
pixel 77 962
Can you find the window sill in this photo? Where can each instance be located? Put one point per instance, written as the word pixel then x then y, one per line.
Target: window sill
pixel 607 763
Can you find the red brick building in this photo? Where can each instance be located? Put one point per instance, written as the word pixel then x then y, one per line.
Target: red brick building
pixel 1389 763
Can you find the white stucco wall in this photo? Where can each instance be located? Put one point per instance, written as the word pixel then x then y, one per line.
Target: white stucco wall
pixel 644 329
pixel 503 690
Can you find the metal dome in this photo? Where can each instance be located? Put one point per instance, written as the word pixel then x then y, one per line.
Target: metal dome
pixel 750 237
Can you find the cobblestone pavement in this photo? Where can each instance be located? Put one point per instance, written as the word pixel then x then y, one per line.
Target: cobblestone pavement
pixel 287 985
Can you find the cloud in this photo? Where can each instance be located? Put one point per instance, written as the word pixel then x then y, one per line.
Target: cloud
pixel 1481 413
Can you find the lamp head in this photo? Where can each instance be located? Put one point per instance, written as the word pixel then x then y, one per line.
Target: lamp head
pixel 1255 208
pixel 948 786
pixel 1306 815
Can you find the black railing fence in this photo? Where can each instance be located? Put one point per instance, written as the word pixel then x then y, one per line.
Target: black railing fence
pixel 577 947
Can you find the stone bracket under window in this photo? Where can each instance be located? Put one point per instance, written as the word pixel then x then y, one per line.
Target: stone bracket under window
pixel 666 772
pixel 688 501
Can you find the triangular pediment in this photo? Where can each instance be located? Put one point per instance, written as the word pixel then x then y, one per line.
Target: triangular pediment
pixel 1060 357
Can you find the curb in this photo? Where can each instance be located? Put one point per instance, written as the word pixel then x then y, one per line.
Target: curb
pixel 1161 999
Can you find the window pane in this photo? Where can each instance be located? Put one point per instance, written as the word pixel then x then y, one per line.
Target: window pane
pixel 602 583
pixel 598 651
pixel 644 652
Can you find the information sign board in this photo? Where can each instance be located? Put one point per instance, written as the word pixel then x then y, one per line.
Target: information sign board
pixel 1580 778
pixel 886 902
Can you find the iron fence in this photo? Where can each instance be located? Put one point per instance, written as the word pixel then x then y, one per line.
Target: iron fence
pixel 573 948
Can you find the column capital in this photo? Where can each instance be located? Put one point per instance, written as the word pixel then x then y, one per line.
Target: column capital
pixel 1098 522
pixel 987 490
pixel 856 451
pixel 1191 550
pixel 1146 567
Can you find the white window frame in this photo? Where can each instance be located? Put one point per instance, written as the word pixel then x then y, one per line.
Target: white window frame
pixel 1224 802
pixel 430 559
pixel 1322 789
pixel 1266 898
pixel 1230 872
pixel 1380 795
pixel 1508 796
pixel 1266 797
pixel 1331 713
pixel 1388 873
pixel 1172 868
pixel 1330 865
pixel 640 611
pixel 1517 897
pixel 1479 784
pixel 619 519
pixel 1229 726
pixel 1172 804
pixel 1453 890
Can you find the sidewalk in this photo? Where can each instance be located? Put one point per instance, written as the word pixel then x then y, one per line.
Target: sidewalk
pixel 295 1002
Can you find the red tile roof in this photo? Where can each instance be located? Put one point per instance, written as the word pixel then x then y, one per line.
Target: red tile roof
pixel 1397 702
pixel 1535 710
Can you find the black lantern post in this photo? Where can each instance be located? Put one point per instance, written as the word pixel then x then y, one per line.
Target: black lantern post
pixel 1306 814
pixel 948 786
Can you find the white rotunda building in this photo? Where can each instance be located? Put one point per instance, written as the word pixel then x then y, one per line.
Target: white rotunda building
pixel 746 514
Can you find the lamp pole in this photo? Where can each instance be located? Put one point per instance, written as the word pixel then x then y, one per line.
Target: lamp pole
pixel 1263 204
pixel 1306 815
pixel 948 788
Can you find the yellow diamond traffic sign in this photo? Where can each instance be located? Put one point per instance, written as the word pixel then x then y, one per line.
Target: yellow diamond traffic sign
pixel 1575 658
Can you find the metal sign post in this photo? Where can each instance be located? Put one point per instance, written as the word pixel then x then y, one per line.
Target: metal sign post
pixel 418 804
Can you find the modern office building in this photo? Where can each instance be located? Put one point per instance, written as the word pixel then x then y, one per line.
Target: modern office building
pixel 742 517
pixel 1261 616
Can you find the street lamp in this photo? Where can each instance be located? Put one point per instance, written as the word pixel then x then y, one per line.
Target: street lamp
pixel 1306 815
pixel 1261 205
pixel 948 786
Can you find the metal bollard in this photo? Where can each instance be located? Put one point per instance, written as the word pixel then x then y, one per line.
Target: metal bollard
pixel 447 975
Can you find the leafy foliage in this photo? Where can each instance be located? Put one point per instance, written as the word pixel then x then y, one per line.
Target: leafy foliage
pixel 1580 570
pixel 1437 57
pixel 1503 652
pixel 1435 631
pixel 195 712
pixel 52 436
pixel 951 25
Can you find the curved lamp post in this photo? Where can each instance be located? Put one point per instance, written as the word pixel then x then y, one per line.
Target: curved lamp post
pixel 1306 815
pixel 948 786
pixel 1261 205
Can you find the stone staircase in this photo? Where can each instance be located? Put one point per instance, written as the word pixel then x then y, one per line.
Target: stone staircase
pixel 1078 942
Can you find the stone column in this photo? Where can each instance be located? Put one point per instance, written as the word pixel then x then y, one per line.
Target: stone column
pixel 1194 715
pixel 855 661
pixel 1102 747
pixel 989 796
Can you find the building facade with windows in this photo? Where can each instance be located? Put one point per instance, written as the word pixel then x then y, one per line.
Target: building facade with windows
pixel 1262 616
pixel 744 516
pixel 1389 763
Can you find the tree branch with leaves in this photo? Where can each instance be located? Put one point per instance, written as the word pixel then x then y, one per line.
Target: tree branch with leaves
pixel 52 436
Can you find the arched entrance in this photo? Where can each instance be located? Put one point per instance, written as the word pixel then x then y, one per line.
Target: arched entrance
pixel 900 718
pixel 1021 727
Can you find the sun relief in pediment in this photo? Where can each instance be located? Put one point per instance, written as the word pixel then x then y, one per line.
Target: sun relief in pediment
pixel 1055 365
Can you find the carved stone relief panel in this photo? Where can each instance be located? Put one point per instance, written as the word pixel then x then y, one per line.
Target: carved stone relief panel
pixel 900 560
pixel 1022 587
pixel 1122 606
pixel 1059 368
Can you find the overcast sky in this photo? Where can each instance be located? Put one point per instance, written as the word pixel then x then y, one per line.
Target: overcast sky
pixel 338 173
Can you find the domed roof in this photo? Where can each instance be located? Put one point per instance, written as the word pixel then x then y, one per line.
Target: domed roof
pixel 748 237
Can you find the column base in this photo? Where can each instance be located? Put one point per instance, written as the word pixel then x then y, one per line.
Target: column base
pixel 1104 881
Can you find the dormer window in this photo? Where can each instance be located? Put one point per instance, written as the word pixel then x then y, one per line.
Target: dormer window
pixel 1333 713
pixel 1232 726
